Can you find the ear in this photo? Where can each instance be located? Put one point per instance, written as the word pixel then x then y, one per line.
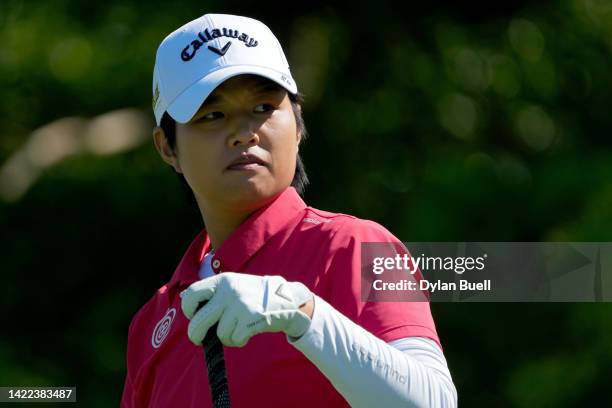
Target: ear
pixel 298 133
pixel 164 149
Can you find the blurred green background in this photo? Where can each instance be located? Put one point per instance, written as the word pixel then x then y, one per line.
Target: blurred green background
pixel 444 122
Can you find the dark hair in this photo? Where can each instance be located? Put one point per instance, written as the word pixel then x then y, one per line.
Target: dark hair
pixel 300 178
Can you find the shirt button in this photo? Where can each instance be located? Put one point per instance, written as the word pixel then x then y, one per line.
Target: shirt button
pixel 216 264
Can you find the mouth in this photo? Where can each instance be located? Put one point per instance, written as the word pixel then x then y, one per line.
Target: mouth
pixel 246 162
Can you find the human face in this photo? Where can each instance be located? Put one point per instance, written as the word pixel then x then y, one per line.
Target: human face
pixel 247 117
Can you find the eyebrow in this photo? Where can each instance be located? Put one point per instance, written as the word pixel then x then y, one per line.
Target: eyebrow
pixel 260 89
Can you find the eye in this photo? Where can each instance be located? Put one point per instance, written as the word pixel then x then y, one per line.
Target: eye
pixel 264 107
pixel 210 116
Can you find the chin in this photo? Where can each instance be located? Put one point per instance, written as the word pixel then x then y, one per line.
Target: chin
pixel 253 193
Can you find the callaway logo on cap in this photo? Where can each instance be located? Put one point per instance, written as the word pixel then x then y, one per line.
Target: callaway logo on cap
pixel 197 57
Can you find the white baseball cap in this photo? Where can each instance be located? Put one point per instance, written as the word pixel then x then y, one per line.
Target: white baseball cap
pixel 197 57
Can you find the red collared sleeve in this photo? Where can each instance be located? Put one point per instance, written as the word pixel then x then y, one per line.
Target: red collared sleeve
pixel 128 388
pixel 387 320
pixel 126 399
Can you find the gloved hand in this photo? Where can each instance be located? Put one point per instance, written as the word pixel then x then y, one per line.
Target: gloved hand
pixel 245 305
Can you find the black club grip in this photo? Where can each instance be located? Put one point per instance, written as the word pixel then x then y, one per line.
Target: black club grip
pixel 215 364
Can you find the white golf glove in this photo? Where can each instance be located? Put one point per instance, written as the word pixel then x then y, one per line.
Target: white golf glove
pixel 245 305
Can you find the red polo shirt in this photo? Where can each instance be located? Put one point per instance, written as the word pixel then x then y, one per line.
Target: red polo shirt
pixel 318 248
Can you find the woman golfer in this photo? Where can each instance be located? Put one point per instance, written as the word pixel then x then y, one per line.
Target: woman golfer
pixel 279 280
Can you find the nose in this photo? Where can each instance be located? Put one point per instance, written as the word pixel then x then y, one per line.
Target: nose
pixel 244 134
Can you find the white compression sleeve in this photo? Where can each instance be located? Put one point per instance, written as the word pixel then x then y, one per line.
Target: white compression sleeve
pixel 428 353
pixel 368 372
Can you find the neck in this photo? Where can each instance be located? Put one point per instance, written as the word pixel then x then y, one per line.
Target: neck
pixel 221 224
pixel 222 219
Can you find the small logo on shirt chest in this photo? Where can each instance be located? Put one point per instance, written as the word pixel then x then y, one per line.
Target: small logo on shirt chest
pixel 314 221
pixel 162 328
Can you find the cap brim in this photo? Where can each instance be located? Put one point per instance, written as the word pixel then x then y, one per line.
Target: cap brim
pixel 185 106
